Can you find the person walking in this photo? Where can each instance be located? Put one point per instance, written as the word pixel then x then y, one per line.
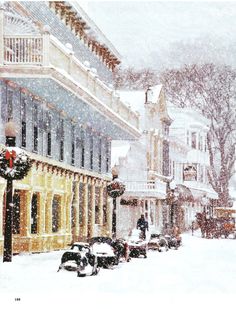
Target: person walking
pixel 142 225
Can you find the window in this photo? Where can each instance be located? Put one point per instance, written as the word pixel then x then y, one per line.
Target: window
pixel 55 213
pixel 165 129
pixel 173 169
pixel 194 140
pixel 49 134
pixel 34 213
pixel 107 157
pixel 100 155
pixel 91 152
pixel 165 164
pixel 200 143
pixel 35 127
pixel 16 213
pixel 73 145
pixel 104 206
pixel 61 140
pixel 9 105
pixel 82 142
pixel 205 144
pixel 23 122
pixel 188 141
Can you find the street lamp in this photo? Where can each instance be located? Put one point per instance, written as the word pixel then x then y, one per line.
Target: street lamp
pixel 14 165
pixel 10 133
pixel 114 173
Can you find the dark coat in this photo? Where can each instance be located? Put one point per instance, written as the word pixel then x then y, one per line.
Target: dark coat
pixel 142 224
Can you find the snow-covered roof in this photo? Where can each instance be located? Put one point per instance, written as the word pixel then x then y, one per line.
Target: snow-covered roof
pixel 187 118
pixel 119 149
pixel 135 99
pixel 156 91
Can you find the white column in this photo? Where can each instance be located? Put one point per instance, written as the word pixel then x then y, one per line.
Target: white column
pixel 46 45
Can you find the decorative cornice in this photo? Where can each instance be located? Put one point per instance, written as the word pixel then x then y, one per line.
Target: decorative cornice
pixel 79 26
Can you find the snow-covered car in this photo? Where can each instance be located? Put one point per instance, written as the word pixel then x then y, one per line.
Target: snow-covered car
pixel 121 249
pixel 157 242
pixel 80 259
pixel 173 242
pixel 137 247
pixel 103 248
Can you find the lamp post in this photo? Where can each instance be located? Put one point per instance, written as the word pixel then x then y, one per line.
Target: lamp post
pixel 115 189
pixel 114 173
pixel 10 133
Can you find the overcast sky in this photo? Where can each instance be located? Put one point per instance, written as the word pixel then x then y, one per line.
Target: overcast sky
pixel 145 32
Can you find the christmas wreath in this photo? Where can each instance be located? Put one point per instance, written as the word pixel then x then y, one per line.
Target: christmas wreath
pixel 14 163
pixel 116 188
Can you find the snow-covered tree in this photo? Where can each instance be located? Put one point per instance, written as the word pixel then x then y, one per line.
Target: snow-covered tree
pixel 210 89
pixel 134 79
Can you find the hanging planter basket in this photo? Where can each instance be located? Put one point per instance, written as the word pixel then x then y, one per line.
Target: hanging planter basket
pixel 14 163
pixel 116 188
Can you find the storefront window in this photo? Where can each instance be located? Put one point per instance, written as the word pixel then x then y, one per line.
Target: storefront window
pixel 34 213
pixel 55 213
pixel 97 195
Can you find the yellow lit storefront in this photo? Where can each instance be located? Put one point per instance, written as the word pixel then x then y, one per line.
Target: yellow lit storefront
pixel 54 206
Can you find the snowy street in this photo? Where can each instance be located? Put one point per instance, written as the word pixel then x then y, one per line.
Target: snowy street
pixel 201 269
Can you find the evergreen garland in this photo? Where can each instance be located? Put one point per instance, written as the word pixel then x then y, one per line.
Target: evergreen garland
pixel 14 165
pixel 116 188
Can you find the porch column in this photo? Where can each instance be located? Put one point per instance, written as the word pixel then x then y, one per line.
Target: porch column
pixel 68 213
pixel 1 35
pixel 109 210
pixel 85 209
pixel 48 212
pixel 92 209
pixel 63 205
pixel 75 233
pixel 41 220
pixel 46 45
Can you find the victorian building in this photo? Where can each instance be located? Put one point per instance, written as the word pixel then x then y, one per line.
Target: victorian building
pixel 143 165
pixel 55 84
pixel 190 191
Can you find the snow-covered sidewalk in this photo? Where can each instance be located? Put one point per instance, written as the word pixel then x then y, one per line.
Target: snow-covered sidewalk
pixel 201 269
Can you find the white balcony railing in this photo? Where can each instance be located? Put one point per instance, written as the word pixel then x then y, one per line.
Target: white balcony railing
pixel 46 50
pixel 23 50
pixel 154 187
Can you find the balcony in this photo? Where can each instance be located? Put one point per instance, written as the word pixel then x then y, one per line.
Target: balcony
pixel 155 189
pixel 45 56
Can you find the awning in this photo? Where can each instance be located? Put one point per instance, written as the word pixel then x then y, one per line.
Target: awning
pixel 185 194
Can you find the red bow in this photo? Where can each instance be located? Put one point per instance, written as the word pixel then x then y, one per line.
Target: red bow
pixel 10 155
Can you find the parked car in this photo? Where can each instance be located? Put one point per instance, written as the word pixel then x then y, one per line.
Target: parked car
pixel 173 242
pixel 137 247
pixel 103 248
pixel 121 249
pixel 157 242
pixel 80 259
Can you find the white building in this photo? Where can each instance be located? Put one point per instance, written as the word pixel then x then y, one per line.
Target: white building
pixel 143 165
pixel 189 161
